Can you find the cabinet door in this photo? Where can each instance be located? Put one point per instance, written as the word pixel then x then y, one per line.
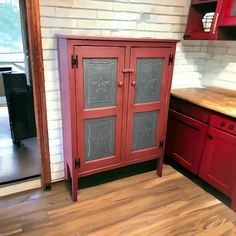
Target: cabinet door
pixel 146 103
pixel 229 13
pixel 185 140
pixel 99 98
pixel 219 160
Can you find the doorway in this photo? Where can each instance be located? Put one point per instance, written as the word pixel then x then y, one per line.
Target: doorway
pixel 20 157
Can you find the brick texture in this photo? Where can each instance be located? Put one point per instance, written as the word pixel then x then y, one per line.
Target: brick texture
pixel 197 62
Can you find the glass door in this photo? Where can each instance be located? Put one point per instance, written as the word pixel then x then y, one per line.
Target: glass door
pixel 99 91
pixel 146 102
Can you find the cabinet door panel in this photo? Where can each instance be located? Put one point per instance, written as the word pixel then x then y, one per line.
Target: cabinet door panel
pixel 99 82
pixel 144 130
pixel 99 102
pixel 99 138
pixel 146 102
pixel 219 160
pixel 185 140
pixel 148 80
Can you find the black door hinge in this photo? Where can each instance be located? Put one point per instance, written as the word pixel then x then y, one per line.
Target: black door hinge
pixel 77 163
pixel 171 59
pixel 74 61
pixel 161 144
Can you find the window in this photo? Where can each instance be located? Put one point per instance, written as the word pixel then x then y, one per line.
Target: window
pixel 11 46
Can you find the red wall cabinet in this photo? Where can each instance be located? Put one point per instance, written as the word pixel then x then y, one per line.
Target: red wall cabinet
pixel 228 13
pixel 186 139
pixel 115 95
pixel 197 11
pixel 222 26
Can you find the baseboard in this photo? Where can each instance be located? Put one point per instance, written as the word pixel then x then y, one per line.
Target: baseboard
pixel 20 187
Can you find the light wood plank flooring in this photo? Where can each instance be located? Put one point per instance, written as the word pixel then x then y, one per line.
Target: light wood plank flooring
pixel 143 204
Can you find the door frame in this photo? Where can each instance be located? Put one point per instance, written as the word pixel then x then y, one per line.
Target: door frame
pixel 36 61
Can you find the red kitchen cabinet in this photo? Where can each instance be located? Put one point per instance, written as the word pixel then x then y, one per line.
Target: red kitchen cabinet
pixel 226 26
pixel 203 142
pixel 198 9
pixel 185 140
pixel 219 161
pixel 222 26
pixel 115 94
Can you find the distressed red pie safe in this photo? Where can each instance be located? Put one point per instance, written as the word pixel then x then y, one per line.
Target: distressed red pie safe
pixel 115 97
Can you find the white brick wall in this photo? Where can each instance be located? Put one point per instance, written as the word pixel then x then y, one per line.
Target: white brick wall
pixel 220 67
pixel 125 18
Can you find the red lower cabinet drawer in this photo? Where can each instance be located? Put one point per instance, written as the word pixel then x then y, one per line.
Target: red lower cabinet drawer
pixel 224 123
pixel 185 140
pixel 190 109
pixel 218 166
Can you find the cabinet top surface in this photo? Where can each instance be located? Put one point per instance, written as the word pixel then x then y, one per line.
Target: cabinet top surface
pixel 216 99
pixel 101 38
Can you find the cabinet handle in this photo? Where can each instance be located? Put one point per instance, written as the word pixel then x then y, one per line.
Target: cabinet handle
pixel 222 124
pixel 231 127
pixel 210 136
pixel 120 84
pixel 133 83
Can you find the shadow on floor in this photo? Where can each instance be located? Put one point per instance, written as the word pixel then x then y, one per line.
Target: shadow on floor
pixel 136 169
pixel 205 186
pixel 111 175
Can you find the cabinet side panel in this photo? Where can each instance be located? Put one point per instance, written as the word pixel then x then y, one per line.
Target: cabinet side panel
pixel 167 91
pixel 65 103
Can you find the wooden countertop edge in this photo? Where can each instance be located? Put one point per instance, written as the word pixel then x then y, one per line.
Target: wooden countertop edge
pixel 205 105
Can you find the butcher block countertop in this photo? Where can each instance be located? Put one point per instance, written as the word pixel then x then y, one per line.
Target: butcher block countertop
pixel 216 99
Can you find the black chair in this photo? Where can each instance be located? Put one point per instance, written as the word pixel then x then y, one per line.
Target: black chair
pixel 20 106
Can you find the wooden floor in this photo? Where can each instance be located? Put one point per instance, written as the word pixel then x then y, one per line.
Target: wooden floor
pixel 16 163
pixel 138 205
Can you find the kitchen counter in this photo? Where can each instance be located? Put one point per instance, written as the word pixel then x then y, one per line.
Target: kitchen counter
pixel 216 99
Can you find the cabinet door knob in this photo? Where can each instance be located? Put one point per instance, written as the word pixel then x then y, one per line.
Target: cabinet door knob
pixel 120 84
pixel 133 83
pixel 222 124
pixel 231 127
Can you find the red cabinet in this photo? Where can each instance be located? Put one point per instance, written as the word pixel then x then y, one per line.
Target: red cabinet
pixel 219 23
pixel 186 139
pixel 228 15
pixel 204 143
pixel 114 95
pixel 219 161
pixel 199 25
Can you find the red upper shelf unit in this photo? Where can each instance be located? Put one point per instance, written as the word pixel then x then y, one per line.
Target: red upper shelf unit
pixel 211 20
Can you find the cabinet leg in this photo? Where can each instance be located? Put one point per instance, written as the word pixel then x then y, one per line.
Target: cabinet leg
pixel 47 187
pixel 67 173
pixel 74 189
pixel 159 166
